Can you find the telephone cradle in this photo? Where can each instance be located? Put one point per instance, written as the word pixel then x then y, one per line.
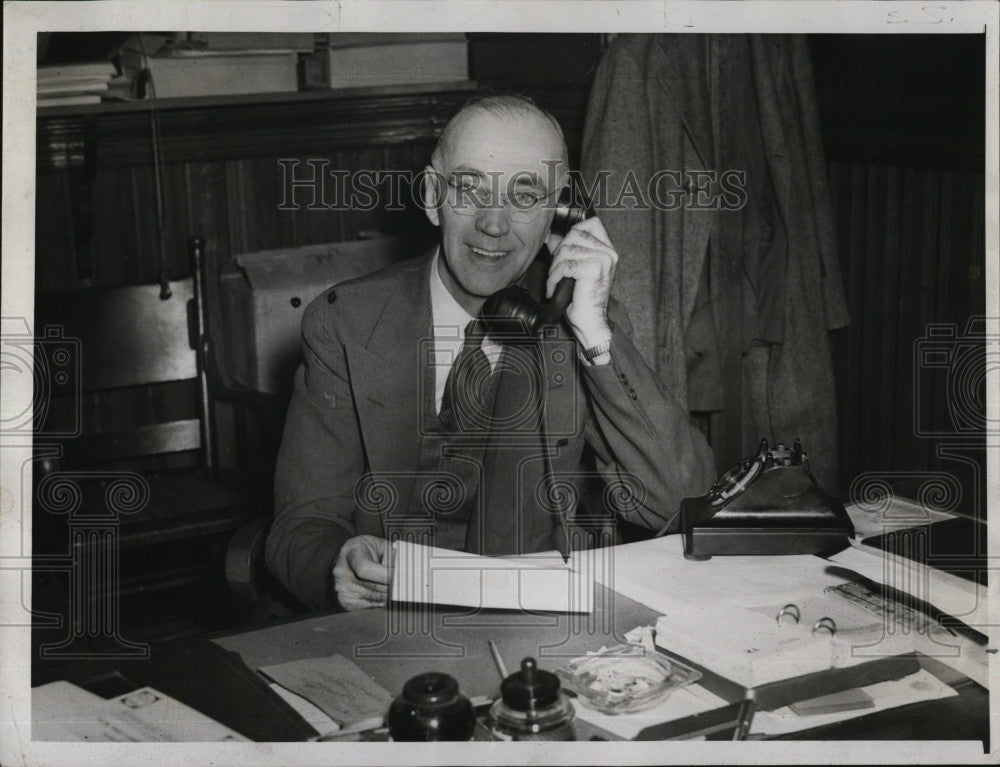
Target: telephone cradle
pixel 769 504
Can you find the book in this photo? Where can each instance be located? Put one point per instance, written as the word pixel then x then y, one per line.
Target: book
pixel 185 72
pixel 68 101
pixel 98 70
pixel 46 90
pixel 241 41
pixel 380 39
pixel 394 63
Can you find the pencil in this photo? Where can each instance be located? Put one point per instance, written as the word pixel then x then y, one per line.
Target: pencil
pixel 497 659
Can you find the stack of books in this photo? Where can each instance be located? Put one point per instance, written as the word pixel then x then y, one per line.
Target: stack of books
pixel 68 84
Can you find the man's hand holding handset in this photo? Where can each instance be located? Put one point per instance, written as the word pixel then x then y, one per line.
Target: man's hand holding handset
pixel 587 255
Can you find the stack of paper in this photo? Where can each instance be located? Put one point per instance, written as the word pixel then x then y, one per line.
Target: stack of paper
pixel 68 84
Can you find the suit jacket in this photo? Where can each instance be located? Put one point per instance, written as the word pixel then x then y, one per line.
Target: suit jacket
pixel 351 443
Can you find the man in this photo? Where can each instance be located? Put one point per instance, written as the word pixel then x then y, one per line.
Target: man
pixel 370 439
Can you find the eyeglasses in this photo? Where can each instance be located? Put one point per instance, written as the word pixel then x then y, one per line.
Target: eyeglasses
pixel 468 194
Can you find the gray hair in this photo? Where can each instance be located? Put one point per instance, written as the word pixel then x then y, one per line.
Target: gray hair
pixel 499 105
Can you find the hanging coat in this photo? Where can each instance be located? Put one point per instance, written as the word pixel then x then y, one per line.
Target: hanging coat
pixel 731 304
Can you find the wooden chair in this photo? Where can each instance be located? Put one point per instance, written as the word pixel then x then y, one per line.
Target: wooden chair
pixel 139 395
pixel 257 593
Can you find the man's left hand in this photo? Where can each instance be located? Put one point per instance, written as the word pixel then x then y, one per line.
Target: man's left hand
pixel 587 255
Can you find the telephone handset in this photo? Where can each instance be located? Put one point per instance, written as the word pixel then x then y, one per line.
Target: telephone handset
pixel 512 314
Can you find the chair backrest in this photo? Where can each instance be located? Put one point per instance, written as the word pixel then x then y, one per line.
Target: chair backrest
pixel 129 336
pixel 128 341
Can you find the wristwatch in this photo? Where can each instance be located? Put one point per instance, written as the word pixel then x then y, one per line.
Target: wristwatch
pixel 597 350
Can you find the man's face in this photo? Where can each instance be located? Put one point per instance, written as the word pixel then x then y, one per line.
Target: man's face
pixel 488 248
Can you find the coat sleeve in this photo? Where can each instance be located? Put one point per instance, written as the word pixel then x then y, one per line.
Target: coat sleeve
pixel 319 463
pixel 641 437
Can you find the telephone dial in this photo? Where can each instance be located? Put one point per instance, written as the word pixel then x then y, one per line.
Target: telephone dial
pixel 512 314
pixel 768 504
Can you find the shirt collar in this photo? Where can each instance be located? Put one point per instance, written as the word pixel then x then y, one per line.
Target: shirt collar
pixel 446 311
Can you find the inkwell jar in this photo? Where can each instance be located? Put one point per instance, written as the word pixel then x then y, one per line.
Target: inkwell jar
pixel 532 706
pixel 431 708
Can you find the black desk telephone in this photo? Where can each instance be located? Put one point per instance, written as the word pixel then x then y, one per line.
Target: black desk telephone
pixel 769 504
pixel 512 314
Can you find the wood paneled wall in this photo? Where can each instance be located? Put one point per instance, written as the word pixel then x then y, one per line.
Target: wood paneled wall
pixel 220 177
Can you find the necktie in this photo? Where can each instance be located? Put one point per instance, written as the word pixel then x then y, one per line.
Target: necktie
pixel 465 402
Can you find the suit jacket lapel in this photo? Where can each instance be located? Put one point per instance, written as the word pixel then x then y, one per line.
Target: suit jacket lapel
pixel 386 377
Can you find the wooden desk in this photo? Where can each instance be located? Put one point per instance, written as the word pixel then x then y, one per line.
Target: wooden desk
pixel 217 676
pixel 396 643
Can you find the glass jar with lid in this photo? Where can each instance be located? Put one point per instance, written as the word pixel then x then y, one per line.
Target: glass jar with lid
pixel 532 706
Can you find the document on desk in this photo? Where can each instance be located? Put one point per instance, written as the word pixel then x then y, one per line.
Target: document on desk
pixel 336 686
pixel 955 596
pixel 917 687
pixel 61 711
pixel 542 582
pixel 655 573
pixel 755 646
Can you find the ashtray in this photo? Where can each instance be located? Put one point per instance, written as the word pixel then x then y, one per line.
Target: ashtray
pixel 625 678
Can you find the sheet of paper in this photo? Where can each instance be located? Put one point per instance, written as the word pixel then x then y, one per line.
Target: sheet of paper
pixel 62 711
pixel 956 596
pixel 314 715
pixel 919 686
pixel 655 573
pixel 898 515
pixel 159 713
pixel 334 684
pixel 542 582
